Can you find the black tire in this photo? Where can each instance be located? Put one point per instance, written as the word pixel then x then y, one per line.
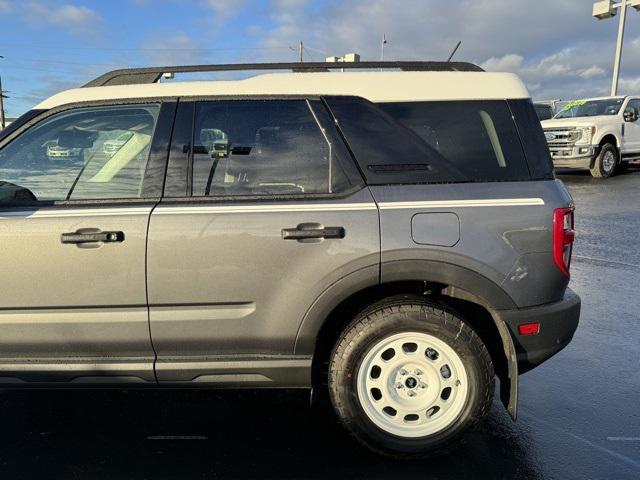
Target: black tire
pixel 601 169
pixel 408 314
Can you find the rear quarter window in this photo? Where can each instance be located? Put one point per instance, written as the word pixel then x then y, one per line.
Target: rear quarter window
pixel 443 141
pixel 479 138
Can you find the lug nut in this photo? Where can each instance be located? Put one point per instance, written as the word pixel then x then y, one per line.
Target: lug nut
pixel 411 393
pixel 423 385
pixel 399 386
pixel 418 372
pixel 403 372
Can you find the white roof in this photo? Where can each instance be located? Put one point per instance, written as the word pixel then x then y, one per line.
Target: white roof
pixel 375 86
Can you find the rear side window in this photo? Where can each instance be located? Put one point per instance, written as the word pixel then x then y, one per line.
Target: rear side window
pixel 479 138
pixel 262 148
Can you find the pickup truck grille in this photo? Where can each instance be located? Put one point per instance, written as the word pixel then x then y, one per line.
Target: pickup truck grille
pixel 558 137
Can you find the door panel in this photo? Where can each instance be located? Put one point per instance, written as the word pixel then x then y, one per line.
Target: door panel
pixel 86 301
pixel 266 227
pixel 632 132
pixel 76 193
pixel 223 281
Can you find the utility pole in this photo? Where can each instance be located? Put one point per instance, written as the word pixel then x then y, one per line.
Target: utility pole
pixel 2 97
pixel 384 42
pixel 301 52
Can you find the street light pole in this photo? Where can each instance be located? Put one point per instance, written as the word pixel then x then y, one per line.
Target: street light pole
pixel 618 59
pixel 607 9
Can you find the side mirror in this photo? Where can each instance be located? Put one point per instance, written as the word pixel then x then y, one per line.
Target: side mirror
pixel 76 138
pixel 630 114
pixel 10 192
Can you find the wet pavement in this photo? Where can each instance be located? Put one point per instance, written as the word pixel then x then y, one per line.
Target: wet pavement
pixel 579 412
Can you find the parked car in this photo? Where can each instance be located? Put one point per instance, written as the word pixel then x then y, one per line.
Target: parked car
pixel 394 239
pixel 111 147
pixel 56 152
pixel 599 134
pixel 545 111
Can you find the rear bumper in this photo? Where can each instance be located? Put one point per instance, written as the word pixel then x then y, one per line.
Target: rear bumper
pixel 558 322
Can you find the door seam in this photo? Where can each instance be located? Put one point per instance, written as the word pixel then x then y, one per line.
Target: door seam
pixel 146 290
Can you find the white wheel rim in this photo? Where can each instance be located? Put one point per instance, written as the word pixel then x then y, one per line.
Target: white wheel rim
pixel 427 387
pixel 608 161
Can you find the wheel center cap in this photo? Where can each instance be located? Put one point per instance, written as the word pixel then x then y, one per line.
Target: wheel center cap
pixel 411 382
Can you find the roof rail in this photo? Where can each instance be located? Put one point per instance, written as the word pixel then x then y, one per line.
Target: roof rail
pixel 131 76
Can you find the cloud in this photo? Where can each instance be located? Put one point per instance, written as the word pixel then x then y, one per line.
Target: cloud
pixel 592 71
pixel 5 7
pixel 224 9
pixel 509 62
pixel 556 47
pixel 78 20
pixel 630 85
pixel 177 49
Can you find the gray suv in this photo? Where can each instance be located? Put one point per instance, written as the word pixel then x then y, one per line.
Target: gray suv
pixel 389 235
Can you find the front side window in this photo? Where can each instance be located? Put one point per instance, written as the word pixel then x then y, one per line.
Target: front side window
pixel 635 104
pixel 82 154
pixel 261 148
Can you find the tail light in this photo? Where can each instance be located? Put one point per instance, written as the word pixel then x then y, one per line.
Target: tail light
pixel 563 236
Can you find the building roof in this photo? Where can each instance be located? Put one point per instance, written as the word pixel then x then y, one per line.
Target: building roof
pixel 385 86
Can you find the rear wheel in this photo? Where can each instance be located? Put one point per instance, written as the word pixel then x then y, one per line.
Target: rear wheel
pixel 407 377
pixel 606 162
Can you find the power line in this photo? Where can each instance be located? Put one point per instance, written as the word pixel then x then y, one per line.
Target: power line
pixel 144 49
pixel 68 62
pixel 48 70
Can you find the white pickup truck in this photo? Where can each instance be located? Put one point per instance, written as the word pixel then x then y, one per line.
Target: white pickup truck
pixel 599 134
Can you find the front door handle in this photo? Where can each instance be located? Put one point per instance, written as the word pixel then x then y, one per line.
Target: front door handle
pixel 311 231
pixel 92 237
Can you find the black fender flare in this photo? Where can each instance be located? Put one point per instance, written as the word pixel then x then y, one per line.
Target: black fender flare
pixel 459 282
pixel 469 285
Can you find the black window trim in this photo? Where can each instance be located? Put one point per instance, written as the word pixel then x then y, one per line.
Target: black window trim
pixel 329 131
pixel 157 155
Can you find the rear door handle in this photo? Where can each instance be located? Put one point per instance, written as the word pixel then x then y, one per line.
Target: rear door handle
pixel 306 231
pixel 92 237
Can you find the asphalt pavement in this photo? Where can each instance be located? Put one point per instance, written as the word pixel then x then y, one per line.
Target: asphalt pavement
pixel 579 412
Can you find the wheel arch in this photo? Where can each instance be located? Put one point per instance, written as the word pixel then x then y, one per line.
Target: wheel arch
pixel 473 296
pixel 609 138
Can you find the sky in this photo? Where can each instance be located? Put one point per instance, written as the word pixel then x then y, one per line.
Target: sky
pixel 556 46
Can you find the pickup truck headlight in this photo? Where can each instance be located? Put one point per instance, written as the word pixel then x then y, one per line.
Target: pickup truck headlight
pixel 582 135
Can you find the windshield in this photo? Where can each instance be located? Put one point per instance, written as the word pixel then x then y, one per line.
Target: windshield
pixel 591 108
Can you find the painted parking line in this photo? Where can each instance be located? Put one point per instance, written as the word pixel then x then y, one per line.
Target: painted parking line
pixel 602 260
pixel 177 437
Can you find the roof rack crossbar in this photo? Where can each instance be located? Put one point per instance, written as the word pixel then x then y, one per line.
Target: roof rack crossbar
pixel 146 75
